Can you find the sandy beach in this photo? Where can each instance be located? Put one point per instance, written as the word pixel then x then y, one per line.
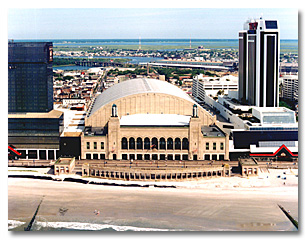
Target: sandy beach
pixel 217 204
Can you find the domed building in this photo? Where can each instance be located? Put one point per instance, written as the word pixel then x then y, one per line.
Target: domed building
pixel 149 119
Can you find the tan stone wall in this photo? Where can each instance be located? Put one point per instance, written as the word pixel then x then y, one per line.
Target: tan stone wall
pixel 91 150
pixel 197 143
pixel 153 103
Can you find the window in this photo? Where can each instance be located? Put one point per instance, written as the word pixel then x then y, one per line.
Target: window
pixel 177 143
pixel 139 143
pixel 88 145
pixel 124 143
pixel 207 146
pixel 95 145
pixel 214 146
pixel 221 146
pixel 102 145
pixel 169 144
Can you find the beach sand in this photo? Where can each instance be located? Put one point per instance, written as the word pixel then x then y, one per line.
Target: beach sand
pixel 217 204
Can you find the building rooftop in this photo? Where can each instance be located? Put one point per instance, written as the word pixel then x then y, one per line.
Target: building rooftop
pixel 64 161
pixel 136 86
pixel 248 162
pixel 52 114
pixel 155 120
pixel 211 131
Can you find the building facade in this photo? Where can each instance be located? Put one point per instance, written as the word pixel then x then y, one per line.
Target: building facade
pixel 30 77
pixel 259 63
pixel 203 85
pixel 34 128
pixel 149 119
pixel 290 87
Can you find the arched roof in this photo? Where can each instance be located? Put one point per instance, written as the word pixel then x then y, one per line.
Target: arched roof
pixel 137 86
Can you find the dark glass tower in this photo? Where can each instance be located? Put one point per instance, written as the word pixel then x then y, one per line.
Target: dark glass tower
pixel 30 73
pixel 259 63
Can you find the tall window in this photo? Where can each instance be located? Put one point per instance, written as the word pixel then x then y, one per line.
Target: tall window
pixel 146 143
pixel 95 145
pixel 207 145
pixel 177 143
pixel 124 143
pixel 132 143
pixel 139 143
pixel 214 146
pixel 102 145
pixel 88 145
pixel 154 143
pixel 169 144
pixel 162 143
pixel 185 144
pixel 221 146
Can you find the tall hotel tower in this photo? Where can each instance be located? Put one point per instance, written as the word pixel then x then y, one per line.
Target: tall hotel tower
pixel 259 63
pixel 30 77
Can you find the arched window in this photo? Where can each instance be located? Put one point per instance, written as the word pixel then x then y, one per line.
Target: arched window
pixel 169 144
pixel 139 143
pixel 154 143
pixel 162 143
pixel 185 144
pixel 132 143
pixel 124 143
pixel 147 143
pixel 177 143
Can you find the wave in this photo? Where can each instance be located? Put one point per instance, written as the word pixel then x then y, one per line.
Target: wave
pixel 90 226
pixel 14 224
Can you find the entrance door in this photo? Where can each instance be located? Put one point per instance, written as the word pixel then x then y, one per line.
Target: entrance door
pixel 114 157
pixel 195 157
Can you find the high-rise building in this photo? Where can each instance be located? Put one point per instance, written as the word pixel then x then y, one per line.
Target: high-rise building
pixel 259 63
pixel 34 127
pixel 30 76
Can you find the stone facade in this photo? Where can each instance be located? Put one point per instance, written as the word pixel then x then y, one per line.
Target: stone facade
pixel 153 142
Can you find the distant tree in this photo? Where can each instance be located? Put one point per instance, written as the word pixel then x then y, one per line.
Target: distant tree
pixel 68 78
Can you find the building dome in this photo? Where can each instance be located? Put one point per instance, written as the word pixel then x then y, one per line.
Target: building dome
pixel 136 86
pixel 142 96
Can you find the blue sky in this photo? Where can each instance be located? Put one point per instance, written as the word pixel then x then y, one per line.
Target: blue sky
pixel 108 23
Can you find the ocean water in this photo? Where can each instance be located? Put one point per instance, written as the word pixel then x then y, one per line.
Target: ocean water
pixel 14 225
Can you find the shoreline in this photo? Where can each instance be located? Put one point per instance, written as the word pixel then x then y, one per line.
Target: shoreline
pixel 234 204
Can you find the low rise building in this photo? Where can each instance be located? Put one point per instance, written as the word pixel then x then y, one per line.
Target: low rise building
pixel 204 85
pixel 64 166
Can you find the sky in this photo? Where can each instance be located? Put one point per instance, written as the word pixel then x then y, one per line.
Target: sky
pixel 132 23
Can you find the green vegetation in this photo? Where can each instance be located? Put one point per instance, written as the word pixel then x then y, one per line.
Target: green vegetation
pixel 72 61
pixel 176 72
pixel 287 103
pixel 137 71
pixel 284 104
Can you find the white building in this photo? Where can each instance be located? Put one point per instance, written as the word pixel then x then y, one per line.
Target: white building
pixel 203 85
pixel 290 87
